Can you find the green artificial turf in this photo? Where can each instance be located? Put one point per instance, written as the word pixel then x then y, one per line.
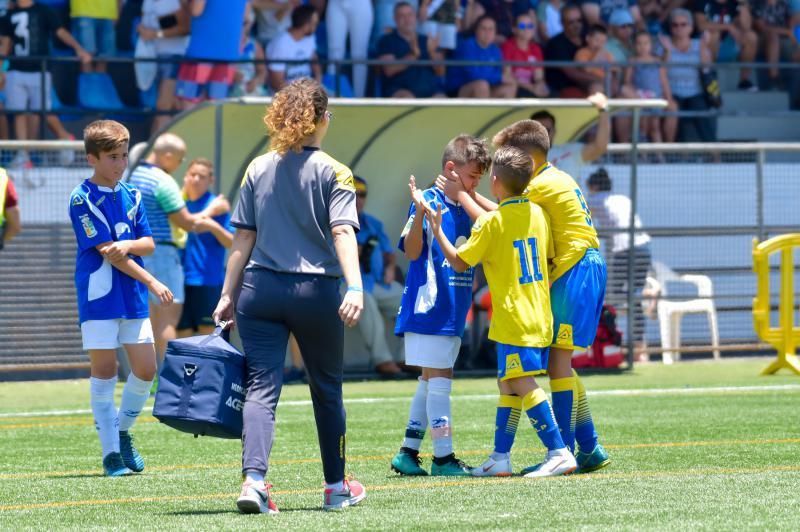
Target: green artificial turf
pixel 688 453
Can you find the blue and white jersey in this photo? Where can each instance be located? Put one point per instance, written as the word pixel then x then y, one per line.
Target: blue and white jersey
pixel 436 298
pixel 99 215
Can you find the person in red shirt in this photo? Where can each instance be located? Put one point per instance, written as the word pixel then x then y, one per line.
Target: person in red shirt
pixel 523 47
pixel 9 211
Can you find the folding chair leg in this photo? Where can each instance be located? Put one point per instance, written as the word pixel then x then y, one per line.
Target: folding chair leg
pixel 666 337
pixel 675 325
pixel 712 323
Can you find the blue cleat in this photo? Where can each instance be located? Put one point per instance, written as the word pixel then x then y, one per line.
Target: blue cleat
pixel 130 456
pixel 113 466
pixel 450 466
pixel 588 462
pixel 408 463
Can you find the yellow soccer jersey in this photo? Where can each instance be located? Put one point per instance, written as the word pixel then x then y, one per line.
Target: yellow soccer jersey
pixel 571 222
pixel 514 244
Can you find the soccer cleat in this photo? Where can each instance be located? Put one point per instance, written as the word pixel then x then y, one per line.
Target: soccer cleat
pixel 450 466
pixel 408 463
pixel 597 459
pixel 352 494
pixel 130 456
pixel 493 468
pixel 113 466
pixel 556 463
pixel 255 499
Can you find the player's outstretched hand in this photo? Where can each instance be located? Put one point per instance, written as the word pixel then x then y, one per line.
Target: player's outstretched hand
pixel 599 100
pixel 416 194
pixel 350 309
pixel 224 311
pixel 434 218
pixel 117 251
pixel 162 293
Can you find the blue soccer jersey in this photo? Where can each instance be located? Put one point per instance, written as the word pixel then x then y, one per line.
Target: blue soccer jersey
pixel 99 215
pixel 204 256
pixel 436 298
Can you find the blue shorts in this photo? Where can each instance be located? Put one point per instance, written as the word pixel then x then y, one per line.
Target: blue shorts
pixel 199 306
pixel 514 361
pixel 165 265
pixel 577 302
pixel 96 35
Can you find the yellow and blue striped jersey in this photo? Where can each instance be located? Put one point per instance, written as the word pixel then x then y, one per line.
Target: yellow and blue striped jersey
pixel 571 222
pixel 514 244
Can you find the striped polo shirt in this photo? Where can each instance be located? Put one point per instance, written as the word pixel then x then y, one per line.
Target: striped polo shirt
pixel 161 197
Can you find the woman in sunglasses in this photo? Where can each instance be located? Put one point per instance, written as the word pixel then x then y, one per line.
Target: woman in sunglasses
pixel 523 47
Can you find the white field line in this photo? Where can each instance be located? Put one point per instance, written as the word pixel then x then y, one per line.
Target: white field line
pixel 476 397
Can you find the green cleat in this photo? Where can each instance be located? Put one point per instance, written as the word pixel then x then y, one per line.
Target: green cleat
pixel 450 466
pixel 407 462
pixel 588 462
pixel 113 466
pixel 130 455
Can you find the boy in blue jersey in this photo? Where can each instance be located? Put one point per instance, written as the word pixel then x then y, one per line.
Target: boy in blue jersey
pixel 111 283
pixel 434 308
pixel 204 256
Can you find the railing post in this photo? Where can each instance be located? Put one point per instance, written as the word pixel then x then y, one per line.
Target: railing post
pixel 760 193
pixel 218 146
pixel 43 95
pixel 632 300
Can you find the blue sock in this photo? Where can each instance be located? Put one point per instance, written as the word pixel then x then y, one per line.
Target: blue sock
pixel 585 433
pixel 505 427
pixel 563 408
pixel 542 419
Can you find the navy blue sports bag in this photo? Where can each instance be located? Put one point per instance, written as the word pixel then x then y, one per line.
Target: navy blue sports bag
pixel 201 388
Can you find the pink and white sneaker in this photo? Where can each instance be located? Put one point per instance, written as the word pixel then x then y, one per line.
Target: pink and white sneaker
pixel 255 499
pixel 352 494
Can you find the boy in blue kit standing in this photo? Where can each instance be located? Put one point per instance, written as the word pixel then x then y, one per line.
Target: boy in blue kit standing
pixel 514 244
pixel 112 233
pixel 433 310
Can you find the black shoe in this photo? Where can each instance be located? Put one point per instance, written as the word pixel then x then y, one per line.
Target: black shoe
pixel 747 86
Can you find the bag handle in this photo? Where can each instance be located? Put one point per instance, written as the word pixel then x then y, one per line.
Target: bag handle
pixel 219 331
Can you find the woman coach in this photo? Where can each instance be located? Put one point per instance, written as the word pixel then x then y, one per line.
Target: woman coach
pixel 295 237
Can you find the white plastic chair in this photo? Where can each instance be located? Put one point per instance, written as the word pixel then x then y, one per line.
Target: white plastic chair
pixel 670 313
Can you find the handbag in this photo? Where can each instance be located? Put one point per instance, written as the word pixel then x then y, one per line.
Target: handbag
pixel 201 387
pixel 710 84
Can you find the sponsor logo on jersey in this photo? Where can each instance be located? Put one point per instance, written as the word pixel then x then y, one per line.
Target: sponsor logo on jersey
pixel 88 225
pixel 121 228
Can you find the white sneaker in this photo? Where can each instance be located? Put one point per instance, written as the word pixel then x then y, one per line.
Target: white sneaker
pixel 493 468
pixel 255 499
pixel 556 463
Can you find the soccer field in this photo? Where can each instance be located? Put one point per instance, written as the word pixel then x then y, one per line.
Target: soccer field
pixel 695 445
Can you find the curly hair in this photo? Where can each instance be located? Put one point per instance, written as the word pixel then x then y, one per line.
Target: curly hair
pixel 294 114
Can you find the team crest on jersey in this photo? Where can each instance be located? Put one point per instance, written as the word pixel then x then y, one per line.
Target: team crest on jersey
pixel 564 336
pixel 513 364
pixel 88 226
pixel 77 200
pixel 346 181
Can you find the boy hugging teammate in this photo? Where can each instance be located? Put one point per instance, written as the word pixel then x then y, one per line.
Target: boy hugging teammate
pixel 112 235
pixel 434 307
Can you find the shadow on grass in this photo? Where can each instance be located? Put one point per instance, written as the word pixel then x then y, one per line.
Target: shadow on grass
pixel 235 511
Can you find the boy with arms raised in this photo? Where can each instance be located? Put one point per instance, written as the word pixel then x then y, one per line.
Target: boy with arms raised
pixel 578 277
pixel 513 243
pixel 434 308
pixel 113 234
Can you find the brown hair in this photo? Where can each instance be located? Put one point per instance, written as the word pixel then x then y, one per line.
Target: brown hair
pixel 202 161
pixel 528 135
pixel 465 149
pixel 294 114
pixel 513 168
pixel 104 136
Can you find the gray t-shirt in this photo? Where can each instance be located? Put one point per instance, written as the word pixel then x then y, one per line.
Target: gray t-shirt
pixel 292 201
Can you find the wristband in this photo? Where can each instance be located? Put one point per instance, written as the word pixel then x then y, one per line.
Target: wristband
pixel 160 34
pixel 354 289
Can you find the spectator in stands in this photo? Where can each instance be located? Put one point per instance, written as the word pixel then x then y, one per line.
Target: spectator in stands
pixel 648 79
pixel 549 14
pixel 10 225
pixel 353 18
pixel 523 47
pixel 169 220
pixel 298 44
pixel 620 40
pixel 599 11
pixel 440 19
pixel 25 31
pixel 481 81
pixel 404 43
pixel 250 77
pixel 572 156
pixel 273 17
pixel 93 24
pixel 613 211
pixel 216 32
pixel 595 52
pixel 503 12
pixel 382 292
pixel 731 37
pixel 385 20
pixel 567 82
pixel 774 21
pixel 204 256
pixel 684 81
pixel 165 23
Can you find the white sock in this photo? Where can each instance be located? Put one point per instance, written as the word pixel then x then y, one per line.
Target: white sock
pixel 438 406
pixel 134 396
pixel 105 415
pixel 336 486
pixel 254 477
pixel 417 417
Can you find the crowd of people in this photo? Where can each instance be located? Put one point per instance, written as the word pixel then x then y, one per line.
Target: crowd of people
pixel 199 45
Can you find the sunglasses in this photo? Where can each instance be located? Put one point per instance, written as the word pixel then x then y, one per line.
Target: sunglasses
pixel 525 25
pixel 329 115
pixel 573 21
pixel 679 24
pixel 626 26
